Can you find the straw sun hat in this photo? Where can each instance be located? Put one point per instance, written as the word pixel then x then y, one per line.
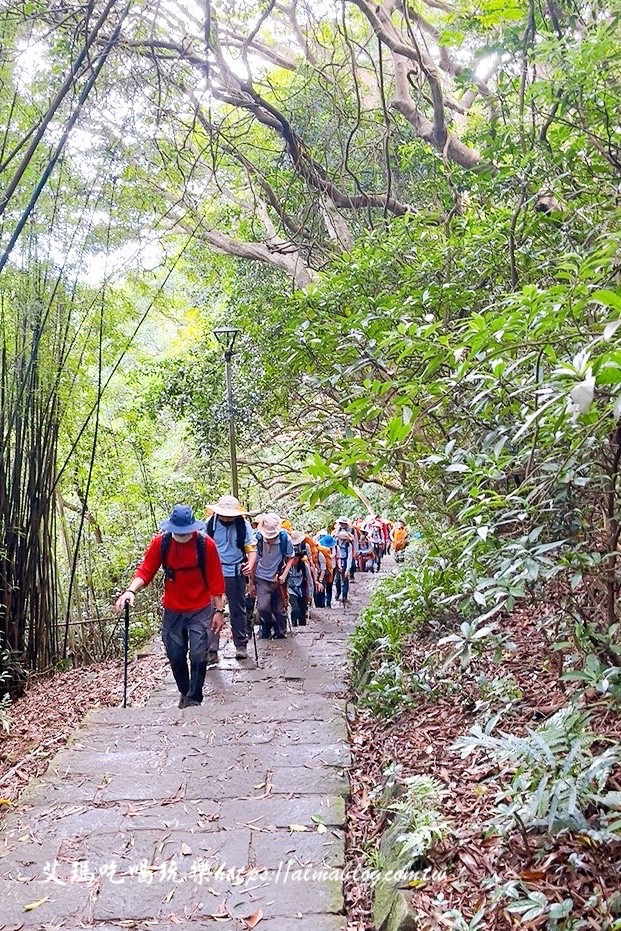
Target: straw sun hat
pixel 226 506
pixel 269 526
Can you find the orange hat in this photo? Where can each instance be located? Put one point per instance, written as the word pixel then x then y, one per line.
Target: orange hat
pixel 287 525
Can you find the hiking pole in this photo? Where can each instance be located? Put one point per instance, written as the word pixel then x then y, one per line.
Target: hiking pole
pixel 254 640
pixel 125 652
pixel 285 597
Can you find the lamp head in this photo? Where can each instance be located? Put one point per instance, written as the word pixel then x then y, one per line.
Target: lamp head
pixel 226 336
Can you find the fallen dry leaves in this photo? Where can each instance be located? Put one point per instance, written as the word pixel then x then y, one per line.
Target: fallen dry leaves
pixel 30 907
pixel 45 717
pixel 253 920
pixel 420 740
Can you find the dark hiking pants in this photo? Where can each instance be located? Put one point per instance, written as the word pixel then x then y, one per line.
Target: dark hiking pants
pixel 235 587
pixel 271 607
pixel 298 609
pixel 341 582
pixel 188 629
pixel 251 604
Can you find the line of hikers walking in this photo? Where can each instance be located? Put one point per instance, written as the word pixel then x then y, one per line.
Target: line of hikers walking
pixel 263 567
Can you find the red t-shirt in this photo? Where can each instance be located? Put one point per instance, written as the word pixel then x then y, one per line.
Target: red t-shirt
pixel 188 590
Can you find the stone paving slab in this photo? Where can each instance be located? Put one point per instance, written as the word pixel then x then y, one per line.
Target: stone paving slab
pixel 250 784
pixel 328 923
pixel 112 782
pixel 282 811
pixel 278 894
pixel 231 711
pixel 113 762
pixel 271 848
pixel 52 821
pixel 155 817
pixel 155 848
pixel 60 902
pixel 66 789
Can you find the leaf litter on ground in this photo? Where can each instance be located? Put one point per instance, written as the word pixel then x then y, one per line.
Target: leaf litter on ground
pixel 43 719
pixel 420 739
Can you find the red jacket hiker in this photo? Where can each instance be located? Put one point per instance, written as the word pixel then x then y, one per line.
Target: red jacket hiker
pixel 188 590
pixel 193 598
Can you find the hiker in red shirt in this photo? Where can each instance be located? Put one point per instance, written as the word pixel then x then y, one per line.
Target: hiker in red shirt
pixel 193 590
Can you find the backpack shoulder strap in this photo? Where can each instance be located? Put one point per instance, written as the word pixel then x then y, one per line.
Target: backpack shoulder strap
pixel 240 525
pixel 260 544
pixel 201 547
pixel 284 543
pixel 211 526
pixel 164 547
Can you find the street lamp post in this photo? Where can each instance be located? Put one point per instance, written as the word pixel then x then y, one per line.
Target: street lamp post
pixel 226 336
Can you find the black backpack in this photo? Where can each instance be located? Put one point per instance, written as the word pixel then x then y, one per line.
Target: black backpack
pixel 169 571
pixel 301 561
pixel 240 526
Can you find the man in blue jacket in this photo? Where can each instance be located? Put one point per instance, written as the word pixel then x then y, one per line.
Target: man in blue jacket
pixel 235 540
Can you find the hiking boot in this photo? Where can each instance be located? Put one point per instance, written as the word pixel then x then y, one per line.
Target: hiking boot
pixel 182 702
pixel 191 703
pixel 241 653
pixel 212 658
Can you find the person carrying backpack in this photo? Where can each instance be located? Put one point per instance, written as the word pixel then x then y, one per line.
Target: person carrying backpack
pixel 376 534
pixel 366 554
pixel 399 540
pixel 192 601
pixel 300 580
pixel 343 524
pixel 236 544
pixel 319 594
pixel 343 565
pixel 327 544
pixel 269 575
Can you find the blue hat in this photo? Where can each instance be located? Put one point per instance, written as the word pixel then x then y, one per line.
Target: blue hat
pixel 327 540
pixel 182 520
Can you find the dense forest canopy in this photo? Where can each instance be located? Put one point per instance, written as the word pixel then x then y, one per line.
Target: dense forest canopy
pixel 410 210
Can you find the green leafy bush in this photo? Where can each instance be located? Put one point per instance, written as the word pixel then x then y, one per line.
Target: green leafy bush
pixel 594 674
pixel 399 606
pixel 501 690
pixel 387 690
pixel 471 641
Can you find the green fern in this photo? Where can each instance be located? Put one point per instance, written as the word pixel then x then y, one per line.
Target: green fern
pixel 5 719
pixel 418 822
pixel 556 780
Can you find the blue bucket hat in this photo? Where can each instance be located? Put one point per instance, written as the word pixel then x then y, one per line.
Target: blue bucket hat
pixel 327 540
pixel 182 520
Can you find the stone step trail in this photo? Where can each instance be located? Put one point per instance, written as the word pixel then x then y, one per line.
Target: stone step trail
pixel 209 817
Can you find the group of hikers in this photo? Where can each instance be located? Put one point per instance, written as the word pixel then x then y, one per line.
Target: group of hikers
pixel 261 566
